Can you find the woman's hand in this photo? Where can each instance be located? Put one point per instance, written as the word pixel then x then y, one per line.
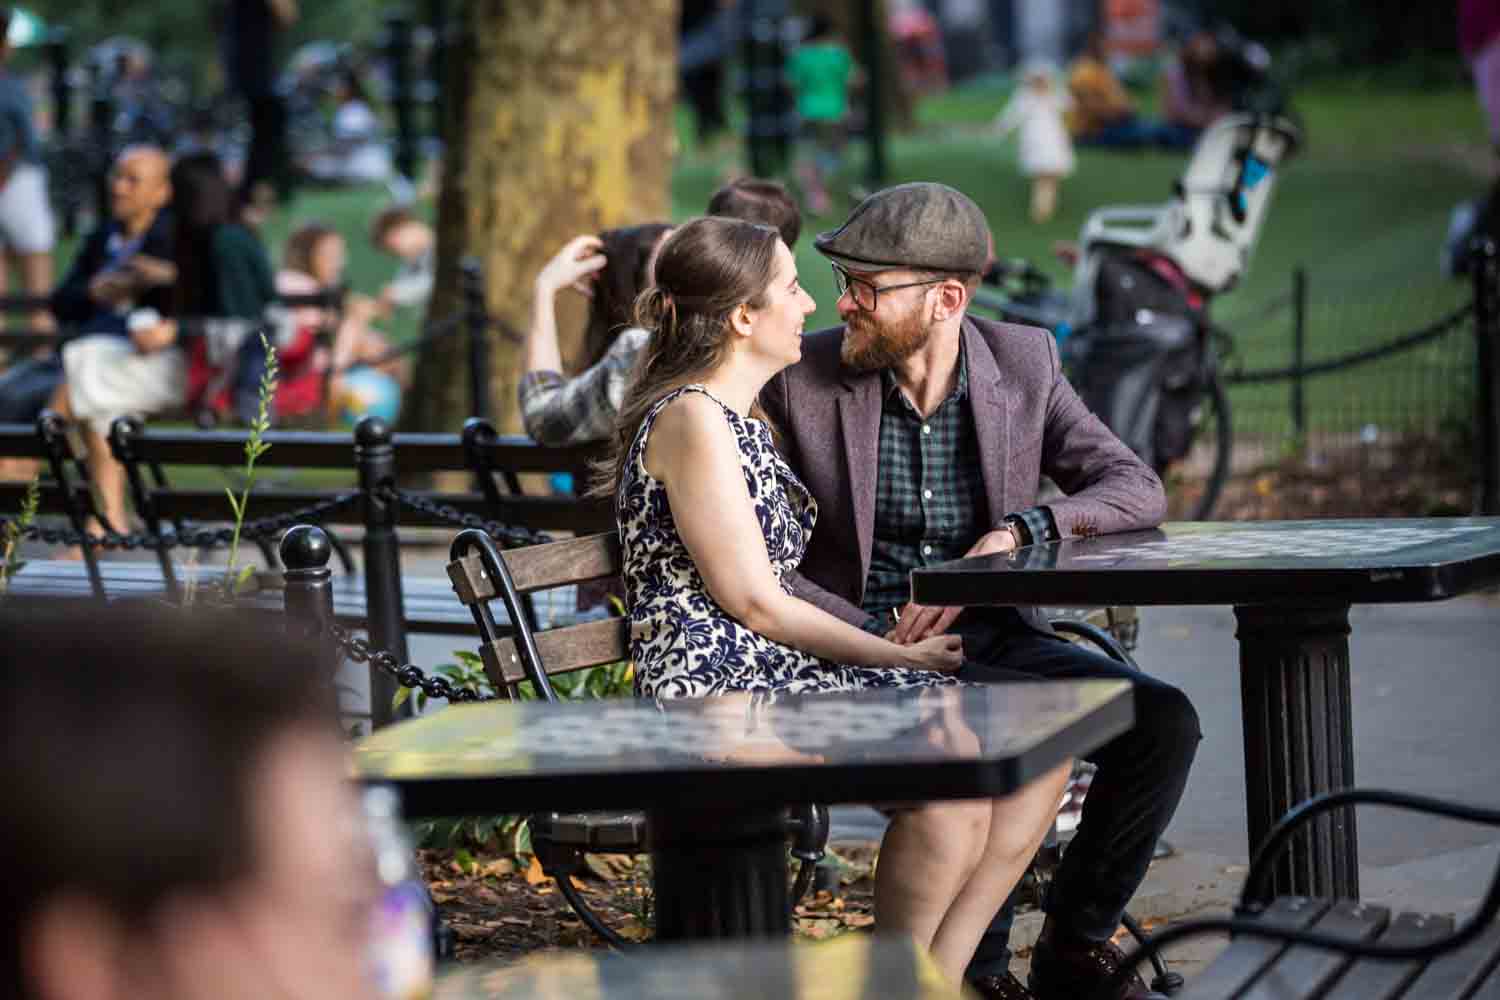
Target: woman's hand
pixel 943 654
pixel 574 265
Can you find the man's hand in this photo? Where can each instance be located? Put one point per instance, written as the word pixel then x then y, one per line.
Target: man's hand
pixel 918 621
pixel 152 272
pixel 155 338
pixel 111 288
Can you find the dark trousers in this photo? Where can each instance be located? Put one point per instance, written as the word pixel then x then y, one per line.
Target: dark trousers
pixel 266 159
pixel 1134 793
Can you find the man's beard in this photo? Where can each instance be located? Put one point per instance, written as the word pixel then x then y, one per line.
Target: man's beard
pixel 881 345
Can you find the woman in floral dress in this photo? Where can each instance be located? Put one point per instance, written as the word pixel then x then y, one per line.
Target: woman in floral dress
pixel 710 520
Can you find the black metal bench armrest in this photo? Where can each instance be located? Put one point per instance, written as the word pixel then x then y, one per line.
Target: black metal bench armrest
pixel 1243 922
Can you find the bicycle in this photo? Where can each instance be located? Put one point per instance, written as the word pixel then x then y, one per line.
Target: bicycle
pixel 1196 417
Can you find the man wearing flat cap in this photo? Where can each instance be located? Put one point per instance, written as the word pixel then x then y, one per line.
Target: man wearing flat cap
pixel 924 432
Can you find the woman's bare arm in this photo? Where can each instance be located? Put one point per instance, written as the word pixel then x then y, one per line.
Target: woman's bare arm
pixel 693 452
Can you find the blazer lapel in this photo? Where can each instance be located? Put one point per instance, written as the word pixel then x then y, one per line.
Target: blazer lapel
pixel 990 399
pixel 859 418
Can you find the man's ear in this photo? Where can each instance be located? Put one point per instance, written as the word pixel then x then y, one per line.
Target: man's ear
pixel 952 297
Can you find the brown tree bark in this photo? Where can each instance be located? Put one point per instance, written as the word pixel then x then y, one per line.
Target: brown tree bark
pixel 559 121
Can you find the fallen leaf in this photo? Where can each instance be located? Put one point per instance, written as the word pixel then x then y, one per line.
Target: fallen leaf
pixel 534 874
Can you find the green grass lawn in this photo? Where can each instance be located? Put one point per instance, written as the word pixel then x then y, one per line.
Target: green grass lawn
pixel 1363 207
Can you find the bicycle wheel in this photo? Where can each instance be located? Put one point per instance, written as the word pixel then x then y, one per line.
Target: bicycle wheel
pixel 1211 423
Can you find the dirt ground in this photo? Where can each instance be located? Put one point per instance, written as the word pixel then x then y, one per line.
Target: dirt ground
pixel 500 906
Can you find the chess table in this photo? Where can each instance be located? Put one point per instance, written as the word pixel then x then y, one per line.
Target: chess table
pixel 1291 584
pixel 715 775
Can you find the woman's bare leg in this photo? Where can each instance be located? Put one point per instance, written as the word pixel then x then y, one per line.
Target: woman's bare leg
pixel 1018 824
pixel 927 856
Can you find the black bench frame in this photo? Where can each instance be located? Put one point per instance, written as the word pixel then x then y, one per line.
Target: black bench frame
pixel 1254 899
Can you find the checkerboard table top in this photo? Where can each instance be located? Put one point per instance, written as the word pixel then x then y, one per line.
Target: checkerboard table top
pixel 1352 561
pixel 635 753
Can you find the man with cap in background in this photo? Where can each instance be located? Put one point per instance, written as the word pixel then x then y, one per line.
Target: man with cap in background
pixel 923 433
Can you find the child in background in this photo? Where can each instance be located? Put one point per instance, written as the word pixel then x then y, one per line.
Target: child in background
pixel 1046 152
pixel 820 72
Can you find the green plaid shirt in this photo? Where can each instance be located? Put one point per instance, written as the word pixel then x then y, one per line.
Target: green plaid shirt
pixel 930 504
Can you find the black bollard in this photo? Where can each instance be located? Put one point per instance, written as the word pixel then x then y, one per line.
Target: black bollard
pixel 477 322
pixel 1485 267
pixel 308 597
pixel 57 69
pixel 771 113
pixel 398 56
pixel 375 457
pixel 437 19
pixel 101 123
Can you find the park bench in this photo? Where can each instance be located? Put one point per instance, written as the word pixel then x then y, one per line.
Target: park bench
pixel 381 597
pixel 1301 948
pixel 481 573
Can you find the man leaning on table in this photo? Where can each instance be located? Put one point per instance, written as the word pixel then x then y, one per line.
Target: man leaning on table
pixel 924 433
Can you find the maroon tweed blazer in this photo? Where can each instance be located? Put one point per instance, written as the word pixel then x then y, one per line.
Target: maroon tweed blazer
pixel 1029 423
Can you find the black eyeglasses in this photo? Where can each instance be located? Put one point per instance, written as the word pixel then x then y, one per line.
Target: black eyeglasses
pixel 866 294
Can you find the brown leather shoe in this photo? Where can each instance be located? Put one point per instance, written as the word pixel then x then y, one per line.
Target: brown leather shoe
pixel 1006 987
pixel 1074 969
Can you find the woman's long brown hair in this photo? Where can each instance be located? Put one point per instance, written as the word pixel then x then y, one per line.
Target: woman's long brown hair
pixel 628 253
pixel 707 268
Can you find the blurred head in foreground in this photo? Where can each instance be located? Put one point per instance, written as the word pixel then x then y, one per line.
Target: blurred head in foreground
pixel 178 819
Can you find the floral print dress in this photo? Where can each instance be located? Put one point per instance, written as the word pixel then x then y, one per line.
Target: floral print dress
pixel 683 643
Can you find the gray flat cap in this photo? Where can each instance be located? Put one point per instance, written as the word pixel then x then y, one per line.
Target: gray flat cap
pixel 920 225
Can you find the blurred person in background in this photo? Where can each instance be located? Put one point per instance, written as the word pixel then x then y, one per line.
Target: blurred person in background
pixel 180 822
pixel 1103 113
pixel 27 229
pixel 124 264
pixel 219 272
pixel 359 378
pixel 821 72
pixel 358 153
pixel 398 232
pixel 612 269
pixel 1045 152
pixel 1193 96
pixel 250 30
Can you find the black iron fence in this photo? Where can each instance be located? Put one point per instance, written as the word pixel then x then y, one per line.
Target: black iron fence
pixel 1386 361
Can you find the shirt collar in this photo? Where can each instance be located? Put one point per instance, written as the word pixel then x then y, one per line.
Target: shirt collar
pixel 960 389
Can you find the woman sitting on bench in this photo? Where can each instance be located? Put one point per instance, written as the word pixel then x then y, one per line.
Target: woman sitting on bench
pixel 711 518
pixel 353 376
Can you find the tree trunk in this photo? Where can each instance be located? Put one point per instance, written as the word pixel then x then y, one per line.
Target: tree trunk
pixel 558 121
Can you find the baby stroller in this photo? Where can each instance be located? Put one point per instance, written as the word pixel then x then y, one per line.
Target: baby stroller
pixel 1134 329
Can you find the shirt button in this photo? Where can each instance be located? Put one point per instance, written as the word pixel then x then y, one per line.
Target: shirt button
pixel 927 550
pixel 926 428
pixel 926 494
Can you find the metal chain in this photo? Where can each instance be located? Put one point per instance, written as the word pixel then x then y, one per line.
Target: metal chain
pixel 1441 328
pixel 509 535
pixel 407 675
pixel 266 527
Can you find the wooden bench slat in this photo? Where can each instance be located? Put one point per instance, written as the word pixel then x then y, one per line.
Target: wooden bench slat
pixel 1305 972
pixel 1380 979
pixel 537 567
pixel 1454 974
pixel 1245 958
pixel 570 648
